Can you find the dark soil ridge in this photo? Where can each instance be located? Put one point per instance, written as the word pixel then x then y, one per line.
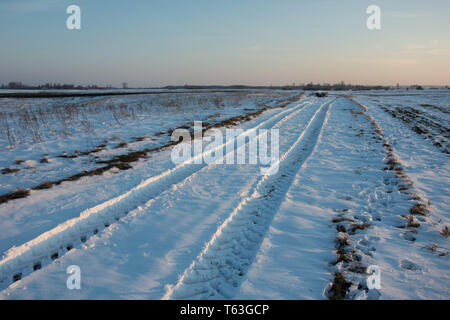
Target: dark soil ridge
pixel 421 125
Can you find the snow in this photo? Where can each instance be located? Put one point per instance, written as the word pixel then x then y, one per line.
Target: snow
pixel 215 231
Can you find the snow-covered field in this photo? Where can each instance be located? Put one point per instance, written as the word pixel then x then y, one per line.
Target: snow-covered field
pixel 363 180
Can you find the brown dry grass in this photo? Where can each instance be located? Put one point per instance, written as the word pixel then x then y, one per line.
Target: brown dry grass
pixel 419 209
pixel 445 232
pixel 339 287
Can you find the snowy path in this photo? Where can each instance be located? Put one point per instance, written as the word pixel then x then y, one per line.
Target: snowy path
pixel 218 270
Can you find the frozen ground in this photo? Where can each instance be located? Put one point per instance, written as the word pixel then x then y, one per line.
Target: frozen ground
pixel 363 180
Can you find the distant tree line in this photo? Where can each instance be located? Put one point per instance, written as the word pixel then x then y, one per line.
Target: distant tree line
pixel 310 86
pixel 52 86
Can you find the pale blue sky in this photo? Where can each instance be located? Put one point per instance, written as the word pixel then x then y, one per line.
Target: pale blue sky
pixel 259 42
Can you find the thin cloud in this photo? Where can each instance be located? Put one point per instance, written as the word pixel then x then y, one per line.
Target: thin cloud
pixel 433 47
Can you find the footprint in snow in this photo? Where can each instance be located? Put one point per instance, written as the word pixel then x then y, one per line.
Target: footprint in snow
pixel 408 265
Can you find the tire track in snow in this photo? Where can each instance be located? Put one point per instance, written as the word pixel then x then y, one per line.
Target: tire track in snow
pixel 219 269
pixel 51 245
